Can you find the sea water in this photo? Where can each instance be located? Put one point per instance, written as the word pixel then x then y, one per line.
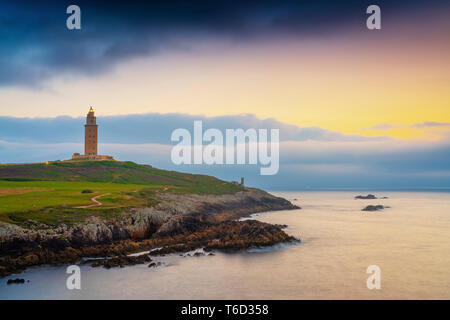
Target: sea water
pixel 409 242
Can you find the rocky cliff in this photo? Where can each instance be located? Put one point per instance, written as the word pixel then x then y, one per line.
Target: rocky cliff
pixel 179 222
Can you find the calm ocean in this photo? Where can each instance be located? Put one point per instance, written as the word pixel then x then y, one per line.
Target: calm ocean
pixel 410 242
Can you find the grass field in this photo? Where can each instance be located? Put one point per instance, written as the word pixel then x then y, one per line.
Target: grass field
pixel 56 204
pixel 49 193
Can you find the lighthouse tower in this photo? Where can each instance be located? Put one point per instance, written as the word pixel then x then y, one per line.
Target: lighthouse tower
pixel 90 134
pixel 91 140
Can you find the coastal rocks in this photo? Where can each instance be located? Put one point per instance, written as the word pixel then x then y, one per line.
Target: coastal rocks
pixel 141 223
pixel 372 208
pixel 91 233
pixel 122 261
pixel 3 271
pixel 377 207
pixel 369 196
pixel 155 264
pixel 29 259
pixel 228 235
pixel 198 254
pixel 252 234
pixel 217 208
pixel 178 223
pixel 11 281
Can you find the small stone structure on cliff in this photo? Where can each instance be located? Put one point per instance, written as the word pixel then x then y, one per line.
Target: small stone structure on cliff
pixel 91 140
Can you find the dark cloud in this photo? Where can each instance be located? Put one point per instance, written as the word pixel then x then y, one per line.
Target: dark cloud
pixel 35 43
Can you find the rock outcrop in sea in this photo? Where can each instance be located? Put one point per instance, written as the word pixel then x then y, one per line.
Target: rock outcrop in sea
pixel 369 196
pixel 377 207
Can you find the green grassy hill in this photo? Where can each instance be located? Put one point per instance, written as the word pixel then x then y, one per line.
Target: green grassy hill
pixel 51 192
pixel 107 171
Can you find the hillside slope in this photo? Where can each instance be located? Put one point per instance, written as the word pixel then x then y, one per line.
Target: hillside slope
pixel 114 172
pixel 63 192
pixel 45 216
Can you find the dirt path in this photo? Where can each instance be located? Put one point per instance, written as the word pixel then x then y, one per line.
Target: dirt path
pixel 163 190
pixel 94 199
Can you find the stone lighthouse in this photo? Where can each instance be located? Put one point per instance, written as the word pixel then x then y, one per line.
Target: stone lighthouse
pixel 91 140
pixel 90 134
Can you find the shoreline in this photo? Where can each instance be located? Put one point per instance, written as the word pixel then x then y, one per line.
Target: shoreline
pixel 178 224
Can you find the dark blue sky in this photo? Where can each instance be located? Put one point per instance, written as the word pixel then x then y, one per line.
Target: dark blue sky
pixel 35 43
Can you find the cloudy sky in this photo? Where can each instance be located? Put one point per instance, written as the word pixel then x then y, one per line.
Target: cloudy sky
pixel 356 108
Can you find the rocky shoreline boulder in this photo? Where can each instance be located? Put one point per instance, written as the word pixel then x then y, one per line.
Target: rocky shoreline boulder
pixel 18 280
pixel 369 196
pixel 377 207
